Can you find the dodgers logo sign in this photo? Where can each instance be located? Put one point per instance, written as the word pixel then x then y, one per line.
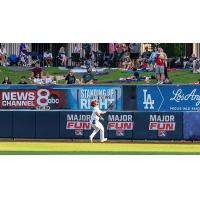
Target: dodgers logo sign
pixel 168 98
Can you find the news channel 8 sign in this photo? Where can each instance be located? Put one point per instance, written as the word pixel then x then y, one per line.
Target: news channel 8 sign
pixel 168 98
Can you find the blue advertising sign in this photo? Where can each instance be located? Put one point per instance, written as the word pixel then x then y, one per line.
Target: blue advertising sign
pixel 191 129
pixel 73 97
pixel 158 126
pixel 168 98
pixel 120 125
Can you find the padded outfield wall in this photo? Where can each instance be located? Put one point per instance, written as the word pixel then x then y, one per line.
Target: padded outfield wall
pixel 149 112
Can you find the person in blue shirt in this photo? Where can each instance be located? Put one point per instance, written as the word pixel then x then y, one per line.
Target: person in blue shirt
pixel 153 55
pixel 23 49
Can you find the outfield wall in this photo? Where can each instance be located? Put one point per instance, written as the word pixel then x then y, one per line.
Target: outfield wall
pixel 142 112
pixel 118 125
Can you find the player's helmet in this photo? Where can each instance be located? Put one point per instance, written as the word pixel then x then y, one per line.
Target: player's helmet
pixel 93 103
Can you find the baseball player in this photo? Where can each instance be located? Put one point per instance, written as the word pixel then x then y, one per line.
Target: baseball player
pixel 95 123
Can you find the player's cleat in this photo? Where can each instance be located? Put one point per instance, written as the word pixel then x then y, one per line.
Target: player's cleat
pixel 90 139
pixel 104 140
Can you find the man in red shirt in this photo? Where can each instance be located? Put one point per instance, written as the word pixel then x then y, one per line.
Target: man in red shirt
pixel 37 70
pixel 160 66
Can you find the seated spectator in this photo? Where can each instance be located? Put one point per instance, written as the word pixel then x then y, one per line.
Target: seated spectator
pixel 3 55
pixel 54 80
pixel 38 80
pixel 37 70
pixel 70 78
pixel 88 77
pixel 6 80
pixel 126 62
pixel 23 60
pixel 48 58
pixel 62 56
pixel 135 64
pixel 48 79
pixel 23 80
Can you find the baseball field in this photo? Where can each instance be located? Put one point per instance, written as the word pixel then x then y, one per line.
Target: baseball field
pixel 109 148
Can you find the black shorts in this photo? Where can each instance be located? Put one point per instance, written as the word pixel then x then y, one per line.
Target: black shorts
pixel 134 55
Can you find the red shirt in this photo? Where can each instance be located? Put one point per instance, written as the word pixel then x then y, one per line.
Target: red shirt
pixel 159 61
pixel 36 71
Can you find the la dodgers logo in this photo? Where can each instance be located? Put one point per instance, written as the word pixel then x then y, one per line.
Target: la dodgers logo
pixel 148 102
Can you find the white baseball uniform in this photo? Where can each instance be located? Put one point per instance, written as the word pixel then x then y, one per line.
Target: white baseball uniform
pixel 96 124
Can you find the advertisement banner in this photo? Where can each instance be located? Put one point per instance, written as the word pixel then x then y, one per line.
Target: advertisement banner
pixel 59 97
pixel 191 129
pixel 120 125
pixel 168 98
pixel 74 124
pixel 158 126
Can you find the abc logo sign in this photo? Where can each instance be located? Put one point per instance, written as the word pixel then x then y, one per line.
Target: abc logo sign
pixel 44 98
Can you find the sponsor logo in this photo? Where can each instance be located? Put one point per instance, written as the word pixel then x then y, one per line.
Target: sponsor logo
pixel 78 123
pixel 162 124
pixel 148 102
pixel 104 96
pixel 120 123
pixel 78 132
pixel 180 96
pixel 40 99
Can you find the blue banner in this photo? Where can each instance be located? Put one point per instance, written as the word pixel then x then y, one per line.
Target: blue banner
pixel 168 98
pixel 70 97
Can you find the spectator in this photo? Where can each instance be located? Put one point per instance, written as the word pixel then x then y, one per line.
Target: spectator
pixel 119 53
pixel 37 70
pixel 6 80
pixel 38 80
pixel 23 80
pixel 48 58
pixel 54 80
pixel 135 64
pixel 160 66
pixel 111 54
pixel 62 56
pixel 3 55
pixel 70 78
pixel 146 56
pixel 88 77
pixel 134 50
pixel 76 49
pixel 126 62
pixel 23 54
pixel 76 54
pixel 147 53
pixel 153 55
pixel 23 49
pixel 88 50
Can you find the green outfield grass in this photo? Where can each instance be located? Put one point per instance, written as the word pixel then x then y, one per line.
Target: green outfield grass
pixel 77 148
pixel 177 77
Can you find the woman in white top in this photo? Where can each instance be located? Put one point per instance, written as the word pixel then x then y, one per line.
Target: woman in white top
pixel 95 123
